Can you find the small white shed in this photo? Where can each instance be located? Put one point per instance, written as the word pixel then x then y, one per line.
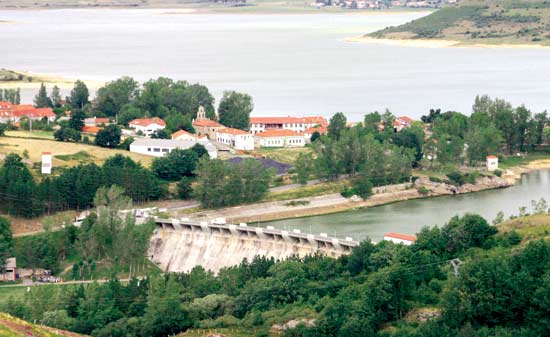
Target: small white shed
pixel 492 163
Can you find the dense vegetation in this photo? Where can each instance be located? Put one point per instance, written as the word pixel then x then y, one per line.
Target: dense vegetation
pixel 375 291
pixel 490 21
pixel 74 188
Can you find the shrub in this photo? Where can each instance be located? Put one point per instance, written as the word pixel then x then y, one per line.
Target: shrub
pixel 498 173
pixel 456 178
pixel 435 180
pixel 423 190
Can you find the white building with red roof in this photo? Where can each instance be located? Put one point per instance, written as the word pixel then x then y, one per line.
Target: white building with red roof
pixel 402 122
pixel 15 112
pixel 147 126
pixel 296 124
pixel 235 138
pixel 279 138
pixel 184 135
pixel 405 239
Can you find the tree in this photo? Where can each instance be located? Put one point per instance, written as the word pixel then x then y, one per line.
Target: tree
pixel 41 100
pixel 160 134
pixel 337 125
pixel 109 136
pixel 76 120
pixel 56 97
pixel 235 109
pixel 221 184
pixel 482 141
pixel 303 167
pixel 184 188
pixel 114 95
pixel 314 136
pixel 66 134
pixel 175 165
pixel 6 242
pixel 3 128
pixel 79 95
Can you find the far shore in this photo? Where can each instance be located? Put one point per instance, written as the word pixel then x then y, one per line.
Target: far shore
pixel 428 43
pixel 49 80
pixel 335 203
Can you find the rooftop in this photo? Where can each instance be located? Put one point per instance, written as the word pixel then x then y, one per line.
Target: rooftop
pixel 400 236
pixel 181 133
pixel 233 131
pixel 278 133
pixel 205 122
pixel 148 121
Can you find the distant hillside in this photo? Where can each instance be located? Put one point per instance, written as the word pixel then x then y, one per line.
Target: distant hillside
pixel 14 327
pixel 480 21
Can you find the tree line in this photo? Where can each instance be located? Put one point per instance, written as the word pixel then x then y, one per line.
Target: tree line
pixel 371 292
pixel 125 99
pixel 74 188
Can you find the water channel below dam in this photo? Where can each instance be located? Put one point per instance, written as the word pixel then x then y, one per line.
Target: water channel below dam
pixel 410 216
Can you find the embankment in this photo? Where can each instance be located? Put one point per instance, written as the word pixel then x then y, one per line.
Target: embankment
pixel 333 203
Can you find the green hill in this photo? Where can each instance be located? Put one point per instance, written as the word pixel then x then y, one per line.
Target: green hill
pixel 480 21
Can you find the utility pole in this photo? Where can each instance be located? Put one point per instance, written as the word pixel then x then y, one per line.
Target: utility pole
pixel 455 263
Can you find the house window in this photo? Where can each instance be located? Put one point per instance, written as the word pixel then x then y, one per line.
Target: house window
pixel 148 149
pixel 156 149
pixel 165 150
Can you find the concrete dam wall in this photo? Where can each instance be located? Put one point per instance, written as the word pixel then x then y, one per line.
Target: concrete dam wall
pixel 180 246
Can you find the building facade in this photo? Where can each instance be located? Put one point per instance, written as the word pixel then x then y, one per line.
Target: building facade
pixel 279 138
pixel 405 239
pixel 12 113
pixel 235 138
pixel 147 126
pixel 161 147
pixel 296 124
pixel 183 135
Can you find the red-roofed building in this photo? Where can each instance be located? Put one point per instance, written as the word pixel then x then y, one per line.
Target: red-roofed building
pixel 183 135
pixel 14 112
pixel 402 122
pixel 90 129
pixel 405 239
pixel 323 130
pixel 492 163
pixel 297 124
pixel 95 121
pixel 238 139
pixel 147 126
pixel 279 138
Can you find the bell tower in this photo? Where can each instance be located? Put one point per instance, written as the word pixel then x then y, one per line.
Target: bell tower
pixel 201 114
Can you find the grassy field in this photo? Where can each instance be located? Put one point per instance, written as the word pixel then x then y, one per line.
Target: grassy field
pixel 323 188
pixel 530 227
pixel 512 161
pixel 283 155
pixel 85 153
pixel 481 22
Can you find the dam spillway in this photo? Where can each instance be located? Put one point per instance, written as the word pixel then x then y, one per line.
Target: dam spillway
pixel 179 246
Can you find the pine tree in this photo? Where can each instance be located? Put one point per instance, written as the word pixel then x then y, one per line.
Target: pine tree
pixel 41 100
pixel 56 97
pixel 17 99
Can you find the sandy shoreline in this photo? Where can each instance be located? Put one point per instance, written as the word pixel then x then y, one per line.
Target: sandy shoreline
pixel 49 80
pixel 425 43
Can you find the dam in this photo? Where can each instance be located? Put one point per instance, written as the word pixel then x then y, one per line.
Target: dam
pixel 179 245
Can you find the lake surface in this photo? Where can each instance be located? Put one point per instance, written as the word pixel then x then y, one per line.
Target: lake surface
pixel 410 216
pixel 291 64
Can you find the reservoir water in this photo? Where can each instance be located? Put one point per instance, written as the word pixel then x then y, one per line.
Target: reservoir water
pixel 411 215
pixel 291 64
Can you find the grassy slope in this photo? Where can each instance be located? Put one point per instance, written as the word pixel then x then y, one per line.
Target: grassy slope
pixel 17 144
pixel 481 21
pixel 14 327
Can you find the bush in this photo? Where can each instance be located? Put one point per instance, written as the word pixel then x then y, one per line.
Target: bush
pixel 456 178
pixel 423 190
pixel 435 180
pixel 498 173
